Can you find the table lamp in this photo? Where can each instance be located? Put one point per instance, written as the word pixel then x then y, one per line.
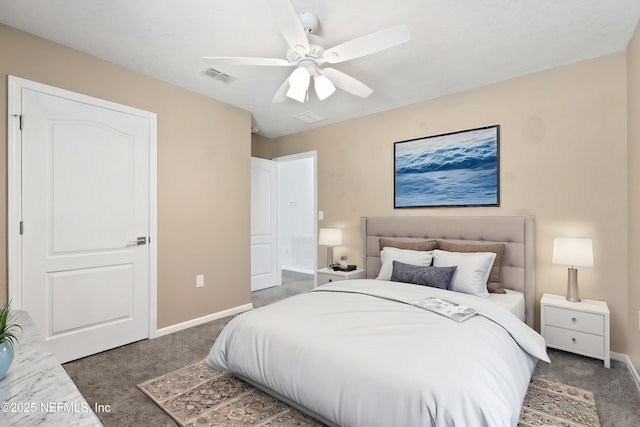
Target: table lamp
pixel 575 253
pixel 330 237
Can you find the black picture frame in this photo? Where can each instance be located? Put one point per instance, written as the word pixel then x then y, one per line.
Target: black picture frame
pixel 456 169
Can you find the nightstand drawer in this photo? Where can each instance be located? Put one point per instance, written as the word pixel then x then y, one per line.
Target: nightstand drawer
pixel 324 278
pixel 327 275
pixel 575 320
pixel 577 342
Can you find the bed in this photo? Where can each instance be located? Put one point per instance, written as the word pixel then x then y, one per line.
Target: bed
pixel 361 353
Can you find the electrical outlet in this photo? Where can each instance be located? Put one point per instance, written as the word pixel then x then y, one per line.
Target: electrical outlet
pixel 200 281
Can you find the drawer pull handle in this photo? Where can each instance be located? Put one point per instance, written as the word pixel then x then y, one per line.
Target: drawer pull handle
pixel 574 320
pixel 573 340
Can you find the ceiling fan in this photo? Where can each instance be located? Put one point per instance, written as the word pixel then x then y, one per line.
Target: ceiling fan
pixel 309 58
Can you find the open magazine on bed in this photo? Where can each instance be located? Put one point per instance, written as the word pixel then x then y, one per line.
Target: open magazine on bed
pixel 450 309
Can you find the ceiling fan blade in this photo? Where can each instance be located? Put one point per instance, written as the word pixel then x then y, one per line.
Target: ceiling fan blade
pixel 286 18
pixel 281 93
pixel 366 45
pixel 230 60
pixel 346 82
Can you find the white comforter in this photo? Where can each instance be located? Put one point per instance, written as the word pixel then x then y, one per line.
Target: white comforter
pixel 351 353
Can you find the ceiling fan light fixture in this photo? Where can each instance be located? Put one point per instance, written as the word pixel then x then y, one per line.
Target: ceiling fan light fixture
pixel 297 93
pixel 324 87
pixel 300 78
pixel 298 84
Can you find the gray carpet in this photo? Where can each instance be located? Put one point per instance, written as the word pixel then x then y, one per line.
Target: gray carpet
pixel 292 283
pixel 111 377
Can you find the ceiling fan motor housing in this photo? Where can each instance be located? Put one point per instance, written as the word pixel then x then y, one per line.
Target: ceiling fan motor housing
pixel 309 22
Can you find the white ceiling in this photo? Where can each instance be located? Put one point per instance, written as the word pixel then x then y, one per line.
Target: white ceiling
pixel 455 44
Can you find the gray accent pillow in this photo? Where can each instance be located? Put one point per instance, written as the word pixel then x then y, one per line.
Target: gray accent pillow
pixel 436 277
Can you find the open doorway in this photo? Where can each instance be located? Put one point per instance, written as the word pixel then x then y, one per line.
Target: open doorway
pixel 296 207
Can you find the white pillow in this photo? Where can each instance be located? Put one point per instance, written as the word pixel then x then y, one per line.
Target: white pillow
pixel 472 273
pixel 389 254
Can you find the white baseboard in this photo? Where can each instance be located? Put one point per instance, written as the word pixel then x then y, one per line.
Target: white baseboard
pixel 624 358
pixel 201 320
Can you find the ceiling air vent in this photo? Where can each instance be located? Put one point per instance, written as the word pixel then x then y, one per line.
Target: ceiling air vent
pixel 219 75
pixel 310 117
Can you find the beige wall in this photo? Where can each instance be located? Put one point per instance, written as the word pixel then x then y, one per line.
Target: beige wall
pixel 203 173
pixel 262 147
pixel 633 114
pixel 563 159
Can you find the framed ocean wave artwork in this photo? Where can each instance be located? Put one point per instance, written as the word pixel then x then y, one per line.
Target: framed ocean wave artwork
pixel 455 169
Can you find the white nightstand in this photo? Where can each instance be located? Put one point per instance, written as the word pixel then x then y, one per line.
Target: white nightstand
pixel 327 275
pixel 579 327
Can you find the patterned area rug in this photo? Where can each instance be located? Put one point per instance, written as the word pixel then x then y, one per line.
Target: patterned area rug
pixel 548 403
pixel 199 396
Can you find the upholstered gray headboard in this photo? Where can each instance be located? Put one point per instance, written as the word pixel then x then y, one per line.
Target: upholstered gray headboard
pixel 516 232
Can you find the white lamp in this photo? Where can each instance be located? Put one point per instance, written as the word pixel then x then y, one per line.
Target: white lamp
pixel 330 237
pixel 573 252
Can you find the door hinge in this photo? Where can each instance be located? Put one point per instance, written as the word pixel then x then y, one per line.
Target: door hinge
pixel 21 227
pixel 21 121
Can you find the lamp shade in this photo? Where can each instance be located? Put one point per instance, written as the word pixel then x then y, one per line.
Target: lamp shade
pixel 298 84
pixel 330 237
pixel 324 87
pixel 300 77
pixel 573 251
pixel 299 93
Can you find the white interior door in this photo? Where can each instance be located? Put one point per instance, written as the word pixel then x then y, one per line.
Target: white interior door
pixel 85 211
pixel 265 271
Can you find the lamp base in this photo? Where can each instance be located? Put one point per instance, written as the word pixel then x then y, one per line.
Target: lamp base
pixel 572 285
pixel 329 256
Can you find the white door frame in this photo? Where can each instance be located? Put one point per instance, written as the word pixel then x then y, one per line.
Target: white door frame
pixel 14 186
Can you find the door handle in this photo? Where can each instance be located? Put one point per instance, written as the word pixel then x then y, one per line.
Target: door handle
pixel 139 241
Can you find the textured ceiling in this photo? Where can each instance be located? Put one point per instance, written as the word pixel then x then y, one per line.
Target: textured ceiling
pixel 455 45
